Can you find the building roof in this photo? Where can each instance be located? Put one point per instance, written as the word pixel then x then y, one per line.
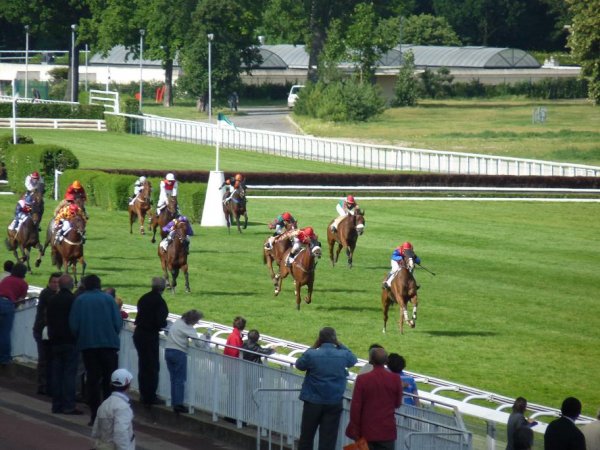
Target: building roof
pixel 120 55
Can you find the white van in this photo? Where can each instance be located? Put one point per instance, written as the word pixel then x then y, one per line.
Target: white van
pixel 293 95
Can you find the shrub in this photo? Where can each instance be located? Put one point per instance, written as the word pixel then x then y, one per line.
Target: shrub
pixel 406 89
pixel 5 142
pixel 53 111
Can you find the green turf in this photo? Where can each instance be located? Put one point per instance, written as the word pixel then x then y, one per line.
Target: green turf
pixel 514 307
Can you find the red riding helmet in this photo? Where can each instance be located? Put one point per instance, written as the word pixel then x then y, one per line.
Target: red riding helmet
pixel 309 231
pixel 35 175
pixel 286 216
pixel 350 199
pixel 70 197
pixel 73 208
pixel 406 246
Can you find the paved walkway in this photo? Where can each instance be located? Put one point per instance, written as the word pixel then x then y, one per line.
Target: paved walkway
pixel 269 118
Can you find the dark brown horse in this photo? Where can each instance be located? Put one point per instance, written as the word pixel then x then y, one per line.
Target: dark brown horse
pixel 141 205
pixel 348 230
pixel 26 237
pixel 302 270
pixel 175 258
pixel 403 290
pixel 278 249
pixel 168 213
pixel 68 252
pixel 236 208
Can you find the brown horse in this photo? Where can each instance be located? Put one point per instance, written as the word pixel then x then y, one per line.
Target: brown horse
pixel 302 270
pixel 403 290
pixel 168 213
pixel 141 205
pixel 276 253
pixel 175 258
pixel 349 229
pixel 26 237
pixel 235 208
pixel 68 252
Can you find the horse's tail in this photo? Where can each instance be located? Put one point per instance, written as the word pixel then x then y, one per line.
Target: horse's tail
pixel 9 245
pixel 264 256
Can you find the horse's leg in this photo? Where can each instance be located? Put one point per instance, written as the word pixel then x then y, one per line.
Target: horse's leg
pixel 297 293
pixel 237 222
pixel 38 261
pixel 131 219
pixel 245 220
pixel 142 219
pixel 187 279
pixel 83 266
pixel 385 305
pixel 413 321
pixel 349 253
pixel 331 243
pixel 309 285
pixel 174 275
pixel 283 272
pixel 338 251
pixel 154 226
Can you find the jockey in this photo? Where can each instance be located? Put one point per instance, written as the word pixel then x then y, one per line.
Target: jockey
pixel 77 190
pixel 305 236
pixel 137 187
pixel 168 188
pixel 170 229
pixel 62 221
pixel 22 211
pixel 33 182
pixel 235 183
pixel 280 225
pixel 344 207
pixel 397 262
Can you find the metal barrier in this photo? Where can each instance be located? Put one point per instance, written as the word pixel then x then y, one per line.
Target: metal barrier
pixel 381 157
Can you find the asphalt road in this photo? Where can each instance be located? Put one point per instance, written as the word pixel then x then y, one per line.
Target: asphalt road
pixel 270 118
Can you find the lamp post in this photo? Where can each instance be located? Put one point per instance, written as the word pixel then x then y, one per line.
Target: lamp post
pixel 86 67
pixel 73 28
pixel 142 32
pixel 210 37
pixel 26 59
pixel 261 40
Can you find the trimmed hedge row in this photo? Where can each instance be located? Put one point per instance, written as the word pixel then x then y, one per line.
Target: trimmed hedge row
pixel 53 111
pixel 112 190
pixel 22 159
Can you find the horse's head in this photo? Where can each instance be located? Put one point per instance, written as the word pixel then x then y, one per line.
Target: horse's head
pixel 172 204
pixel 359 221
pixel 146 189
pixel 78 225
pixel 181 230
pixel 316 250
pixel 409 260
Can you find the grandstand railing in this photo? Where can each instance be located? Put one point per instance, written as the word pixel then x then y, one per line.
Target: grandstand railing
pixel 380 157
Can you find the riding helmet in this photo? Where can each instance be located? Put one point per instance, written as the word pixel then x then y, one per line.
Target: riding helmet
pixel 286 216
pixel 35 175
pixel 73 208
pixel 142 179
pixel 76 184
pixel 238 177
pixel 170 177
pixel 350 199
pixel 70 197
pixel 407 246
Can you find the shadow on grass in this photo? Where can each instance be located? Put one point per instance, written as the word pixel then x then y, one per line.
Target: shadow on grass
pixel 460 333
pixel 343 290
pixel 345 308
pixel 230 293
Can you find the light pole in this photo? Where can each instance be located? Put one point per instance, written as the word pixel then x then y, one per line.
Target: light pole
pixel 142 32
pixel 261 40
pixel 73 28
pixel 86 67
pixel 26 58
pixel 210 37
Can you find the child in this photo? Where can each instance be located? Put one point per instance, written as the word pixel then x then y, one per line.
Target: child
pixel 252 345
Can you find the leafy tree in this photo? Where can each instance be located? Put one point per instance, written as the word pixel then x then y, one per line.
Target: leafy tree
pixel 436 84
pixel 584 40
pixel 426 29
pixel 406 89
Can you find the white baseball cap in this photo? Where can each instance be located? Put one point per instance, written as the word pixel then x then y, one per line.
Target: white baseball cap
pixel 121 377
pixel 170 177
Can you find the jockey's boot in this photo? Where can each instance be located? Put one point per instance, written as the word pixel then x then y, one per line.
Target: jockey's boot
pixel 388 280
pixel 333 228
pixel 13 225
pixel 289 260
pixel 269 243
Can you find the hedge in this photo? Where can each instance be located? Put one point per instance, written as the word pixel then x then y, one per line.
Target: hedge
pixel 121 124
pixel 53 111
pixel 111 191
pixel 5 142
pixel 21 160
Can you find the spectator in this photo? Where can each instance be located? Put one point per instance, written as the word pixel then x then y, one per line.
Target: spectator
pixel 113 427
pixel 523 439
pixel 62 344
pixel 326 364
pixel 95 322
pixel 44 362
pixel 368 366
pixel 516 421
pixel 119 302
pixel 152 312
pixel 111 291
pixel 234 340
pixel 591 431
pixel 176 350
pixel 562 433
pixel 8 265
pixel 13 288
pixel 376 396
pixel 396 364
pixel 251 344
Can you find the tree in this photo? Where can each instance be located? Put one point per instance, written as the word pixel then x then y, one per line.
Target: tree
pixel 426 29
pixel 406 90
pixel 584 40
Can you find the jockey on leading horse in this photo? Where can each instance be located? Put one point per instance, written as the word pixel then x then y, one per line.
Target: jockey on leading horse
pixel 304 237
pixel 344 207
pixel 137 188
pixel 170 229
pixel 233 184
pixel 77 191
pixel 22 211
pixel 280 224
pixel 33 182
pixel 168 188
pixel 62 221
pixel 397 261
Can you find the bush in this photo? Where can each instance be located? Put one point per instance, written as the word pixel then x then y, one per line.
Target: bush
pixel 5 142
pixel 21 160
pixel 53 111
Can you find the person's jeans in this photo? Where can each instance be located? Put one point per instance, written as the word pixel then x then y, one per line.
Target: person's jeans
pixel 44 366
pixel 177 365
pixel 7 318
pixel 64 374
pixel 325 418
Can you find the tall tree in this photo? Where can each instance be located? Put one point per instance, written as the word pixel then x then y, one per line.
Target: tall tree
pixel 426 29
pixel 584 40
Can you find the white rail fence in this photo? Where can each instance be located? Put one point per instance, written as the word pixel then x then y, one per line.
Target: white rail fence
pixel 381 157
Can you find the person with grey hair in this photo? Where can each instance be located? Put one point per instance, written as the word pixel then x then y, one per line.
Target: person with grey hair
pixel 152 312
pixel 591 431
pixel 176 351
pixel 326 364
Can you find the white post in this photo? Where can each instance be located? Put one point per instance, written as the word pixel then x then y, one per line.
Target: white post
pixel 142 32
pixel 73 28
pixel 212 213
pixel 86 67
pixel 210 37
pixel 219 136
pixel 14 112
pixel 26 59
pixel 107 77
pixel 57 174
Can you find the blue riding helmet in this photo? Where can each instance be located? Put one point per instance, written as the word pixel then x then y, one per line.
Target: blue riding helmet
pixel 183 219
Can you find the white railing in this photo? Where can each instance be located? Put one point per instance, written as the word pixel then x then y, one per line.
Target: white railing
pixel 380 157
pixel 56 124
pixel 108 99
pixel 10 98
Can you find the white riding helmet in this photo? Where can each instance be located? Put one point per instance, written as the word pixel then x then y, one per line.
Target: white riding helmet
pixel 142 179
pixel 170 177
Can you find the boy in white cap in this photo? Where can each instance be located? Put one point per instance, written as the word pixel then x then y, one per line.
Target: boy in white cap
pixel 113 427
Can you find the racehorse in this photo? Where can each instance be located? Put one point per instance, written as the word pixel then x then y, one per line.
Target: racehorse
pixel 175 258
pixel 403 290
pixel 141 205
pixel 26 237
pixel 235 208
pixel 37 204
pixel 348 230
pixel 168 213
pixel 68 252
pixel 302 270
pixel 276 253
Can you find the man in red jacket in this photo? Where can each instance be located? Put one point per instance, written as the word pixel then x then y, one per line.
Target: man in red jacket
pixel 376 396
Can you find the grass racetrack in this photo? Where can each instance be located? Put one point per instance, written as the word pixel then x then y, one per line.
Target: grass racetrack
pixel 514 307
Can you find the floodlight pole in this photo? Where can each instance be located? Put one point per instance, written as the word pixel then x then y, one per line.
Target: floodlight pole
pixel 142 32
pixel 26 59
pixel 73 28
pixel 86 67
pixel 210 37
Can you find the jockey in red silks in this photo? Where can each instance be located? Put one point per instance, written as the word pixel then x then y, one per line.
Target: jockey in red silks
pixel 397 261
pixel 344 207
pixel 77 190
pixel 22 211
pixel 168 188
pixel 304 237
pixel 280 224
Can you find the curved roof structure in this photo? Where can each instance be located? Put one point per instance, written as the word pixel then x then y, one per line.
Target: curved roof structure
pixel 283 56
